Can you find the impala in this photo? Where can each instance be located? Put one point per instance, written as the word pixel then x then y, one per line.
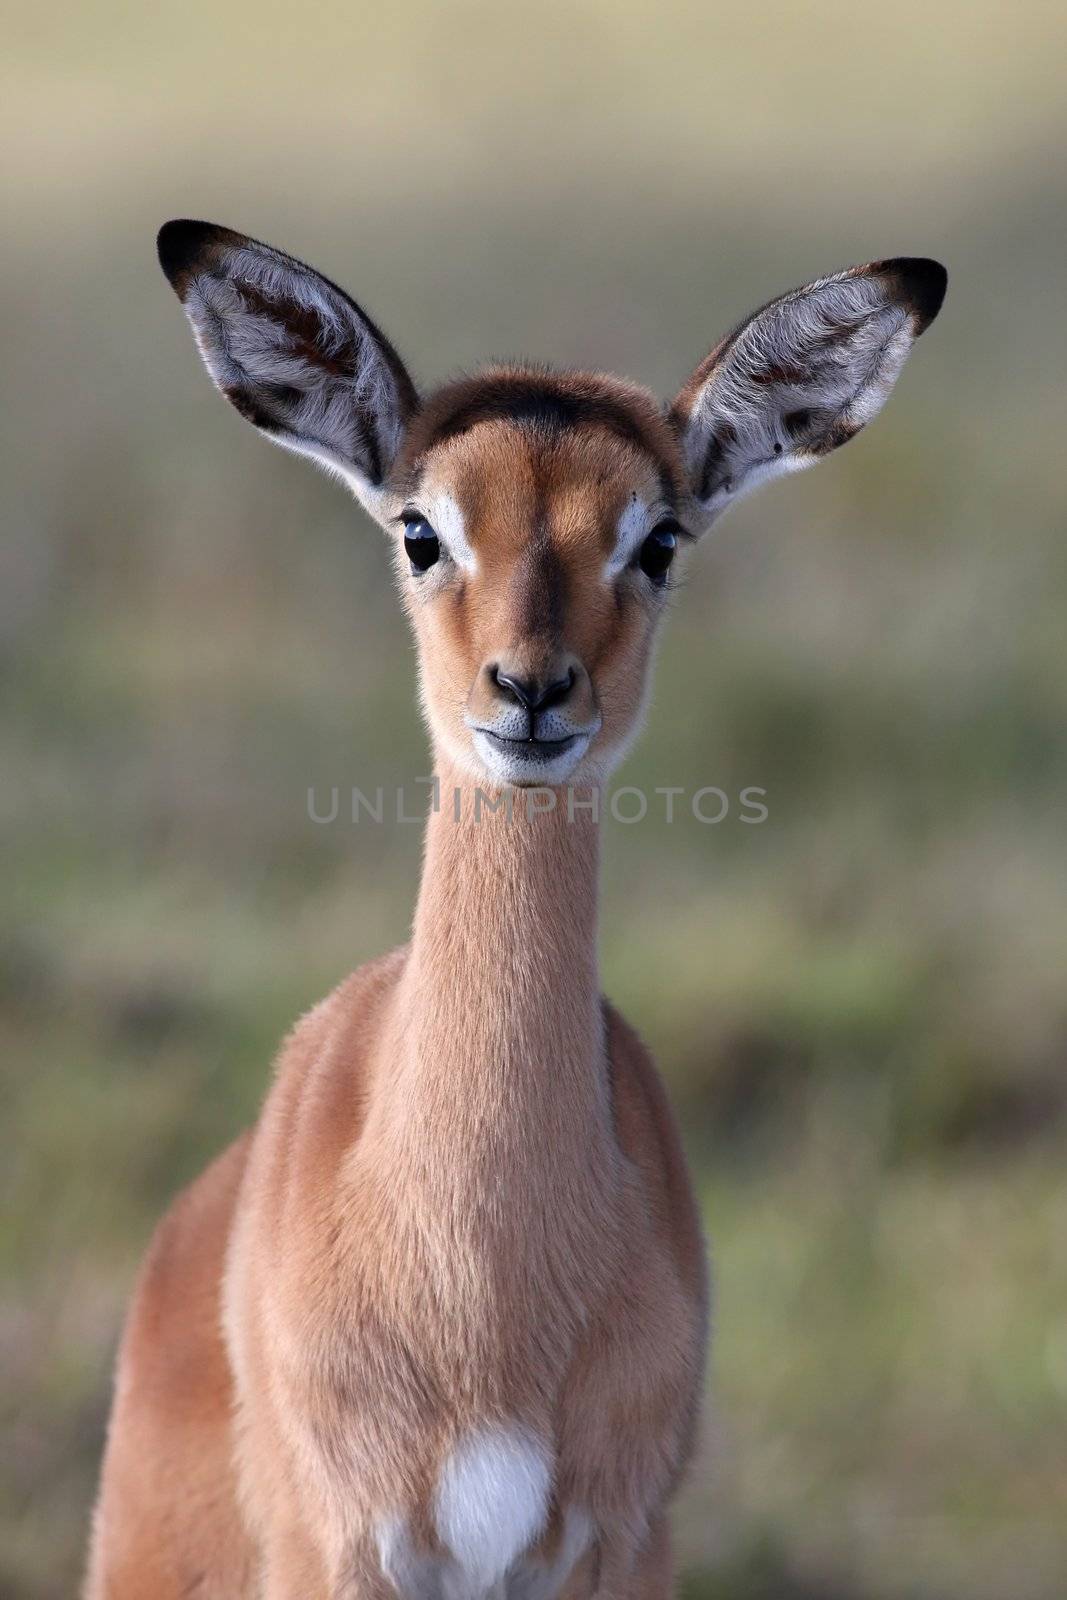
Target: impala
pixel 435 1327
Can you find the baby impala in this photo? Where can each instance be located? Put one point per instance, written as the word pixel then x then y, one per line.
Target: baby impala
pixel 435 1327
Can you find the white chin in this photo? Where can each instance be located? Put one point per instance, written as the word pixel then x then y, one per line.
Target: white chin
pixel 533 766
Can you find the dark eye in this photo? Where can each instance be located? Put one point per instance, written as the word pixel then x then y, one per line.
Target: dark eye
pixel 421 543
pixel 657 552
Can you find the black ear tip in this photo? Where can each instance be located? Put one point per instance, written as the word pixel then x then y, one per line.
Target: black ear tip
pixel 923 283
pixel 182 246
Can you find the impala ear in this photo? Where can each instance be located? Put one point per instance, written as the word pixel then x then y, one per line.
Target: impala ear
pixel 801 376
pixel 292 352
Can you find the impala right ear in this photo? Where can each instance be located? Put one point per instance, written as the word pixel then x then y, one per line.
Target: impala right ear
pixel 801 377
pixel 292 352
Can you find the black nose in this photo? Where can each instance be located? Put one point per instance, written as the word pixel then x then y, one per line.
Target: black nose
pixel 529 692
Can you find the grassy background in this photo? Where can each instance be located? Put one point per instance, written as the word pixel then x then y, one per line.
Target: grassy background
pixel 860 1006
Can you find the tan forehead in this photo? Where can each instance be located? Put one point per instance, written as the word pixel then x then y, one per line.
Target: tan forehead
pixel 512 483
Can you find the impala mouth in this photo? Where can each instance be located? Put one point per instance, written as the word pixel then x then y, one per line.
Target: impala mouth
pixel 536 749
pixel 525 762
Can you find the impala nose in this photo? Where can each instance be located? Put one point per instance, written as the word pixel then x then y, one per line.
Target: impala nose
pixel 533 694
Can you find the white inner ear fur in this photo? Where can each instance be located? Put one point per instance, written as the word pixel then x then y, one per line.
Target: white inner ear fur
pixel 833 350
pixel 245 348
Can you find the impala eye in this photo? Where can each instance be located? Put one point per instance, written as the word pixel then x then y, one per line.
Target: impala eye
pixel 421 543
pixel 657 552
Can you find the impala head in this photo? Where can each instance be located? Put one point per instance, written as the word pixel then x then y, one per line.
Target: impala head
pixel 537 517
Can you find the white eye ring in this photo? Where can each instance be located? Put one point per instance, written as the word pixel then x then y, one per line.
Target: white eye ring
pixel 441 512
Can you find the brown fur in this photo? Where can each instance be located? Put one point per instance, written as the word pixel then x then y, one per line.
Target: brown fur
pixel 465 1201
pixel 536 597
pixel 464 1205
pixel 547 402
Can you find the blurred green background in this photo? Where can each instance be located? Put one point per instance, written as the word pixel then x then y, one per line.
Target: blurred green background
pixel 860 1006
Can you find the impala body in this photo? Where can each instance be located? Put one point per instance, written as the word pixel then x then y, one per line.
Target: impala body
pixel 435 1328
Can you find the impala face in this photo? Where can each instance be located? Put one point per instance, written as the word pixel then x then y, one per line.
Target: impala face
pixel 536 516
pixel 540 524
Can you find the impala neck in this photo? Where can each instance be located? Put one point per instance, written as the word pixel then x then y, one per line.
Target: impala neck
pixel 501 1024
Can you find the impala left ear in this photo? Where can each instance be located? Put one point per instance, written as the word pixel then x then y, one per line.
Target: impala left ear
pixel 292 352
pixel 801 376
